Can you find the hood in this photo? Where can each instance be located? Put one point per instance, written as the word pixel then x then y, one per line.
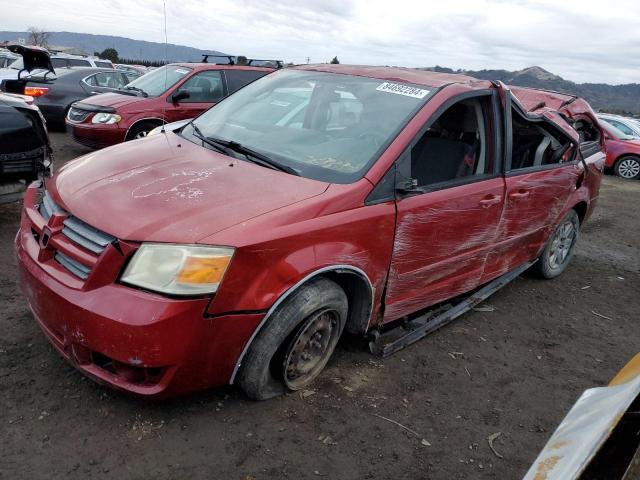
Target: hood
pixel 112 100
pixel 33 58
pixel 166 189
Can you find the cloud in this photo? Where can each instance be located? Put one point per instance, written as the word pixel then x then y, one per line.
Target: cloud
pixel 579 40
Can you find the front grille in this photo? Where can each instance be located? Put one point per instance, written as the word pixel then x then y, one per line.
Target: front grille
pixel 86 236
pixel 78 232
pixel 77 114
pixel 17 166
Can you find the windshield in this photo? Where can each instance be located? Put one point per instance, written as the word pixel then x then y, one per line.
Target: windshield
pixel 325 126
pixel 159 80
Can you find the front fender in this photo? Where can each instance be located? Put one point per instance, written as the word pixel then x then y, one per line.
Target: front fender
pixel 262 272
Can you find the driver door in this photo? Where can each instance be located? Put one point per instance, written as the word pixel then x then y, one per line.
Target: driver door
pixel 448 213
pixel 204 89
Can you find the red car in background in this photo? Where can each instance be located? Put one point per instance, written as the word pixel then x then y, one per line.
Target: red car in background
pixel 167 94
pixel 316 200
pixel 623 152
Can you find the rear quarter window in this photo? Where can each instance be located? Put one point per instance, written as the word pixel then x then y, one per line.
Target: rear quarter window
pixel 236 79
pixel 77 62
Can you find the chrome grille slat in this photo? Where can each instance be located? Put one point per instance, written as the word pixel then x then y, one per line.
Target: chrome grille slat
pixel 77 114
pixel 86 236
pixel 73 266
pixel 48 207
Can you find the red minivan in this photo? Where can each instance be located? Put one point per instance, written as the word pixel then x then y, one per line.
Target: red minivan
pixel 316 200
pixel 167 94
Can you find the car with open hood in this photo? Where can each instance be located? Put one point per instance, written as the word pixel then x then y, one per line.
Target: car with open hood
pixel 31 59
pixel 319 199
pixel 167 94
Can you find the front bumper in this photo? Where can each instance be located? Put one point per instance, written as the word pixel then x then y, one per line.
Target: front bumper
pixel 96 136
pixel 126 338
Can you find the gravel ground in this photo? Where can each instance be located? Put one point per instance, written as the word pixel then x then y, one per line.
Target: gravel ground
pixel 515 371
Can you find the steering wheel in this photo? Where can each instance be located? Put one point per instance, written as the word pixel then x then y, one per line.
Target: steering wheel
pixel 374 137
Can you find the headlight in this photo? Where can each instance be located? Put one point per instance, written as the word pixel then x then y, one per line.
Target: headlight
pixel 106 118
pixel 178 269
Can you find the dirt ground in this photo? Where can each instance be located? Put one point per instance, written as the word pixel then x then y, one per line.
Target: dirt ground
pixel 515 371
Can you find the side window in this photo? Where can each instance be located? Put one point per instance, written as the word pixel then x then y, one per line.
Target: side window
pixel 535 144
pixel 91 80
pixel 456 145
pixel 77 62
pixel 106 80
pixel 203 87
pixel 58 62
pixel 622 127
pixel 103 64
pixel 236 79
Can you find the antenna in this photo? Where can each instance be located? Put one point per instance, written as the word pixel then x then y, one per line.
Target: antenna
pixel 166 48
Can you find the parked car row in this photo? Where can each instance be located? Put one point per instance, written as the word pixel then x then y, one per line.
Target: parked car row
pixel 55 89
pixel 623 145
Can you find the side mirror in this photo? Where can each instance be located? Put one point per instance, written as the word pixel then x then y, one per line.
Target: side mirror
pixel 180 95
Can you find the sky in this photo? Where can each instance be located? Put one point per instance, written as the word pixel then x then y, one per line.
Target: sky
pixel 580 40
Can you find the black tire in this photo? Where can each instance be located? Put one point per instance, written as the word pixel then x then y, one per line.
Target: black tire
pixel 264 372
pixel 627 167
pixel 140 130
pixel 560 248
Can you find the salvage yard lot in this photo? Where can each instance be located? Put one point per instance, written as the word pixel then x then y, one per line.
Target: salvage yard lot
pixel 514 369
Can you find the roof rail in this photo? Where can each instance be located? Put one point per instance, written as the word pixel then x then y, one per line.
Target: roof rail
pixel 231 60
pixel 254 61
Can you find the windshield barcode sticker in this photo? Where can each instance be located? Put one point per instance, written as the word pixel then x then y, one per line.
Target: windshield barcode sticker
pixel 405 90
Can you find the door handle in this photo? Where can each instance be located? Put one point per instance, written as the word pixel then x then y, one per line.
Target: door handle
pixel 489 200
pixel 519 194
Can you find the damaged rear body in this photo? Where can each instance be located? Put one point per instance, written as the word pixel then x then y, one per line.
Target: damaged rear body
pixel 409 195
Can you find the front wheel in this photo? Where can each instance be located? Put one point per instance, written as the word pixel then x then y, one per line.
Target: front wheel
pixel 561 246
pixel 295 344
pixel 627 167
pixel 140 130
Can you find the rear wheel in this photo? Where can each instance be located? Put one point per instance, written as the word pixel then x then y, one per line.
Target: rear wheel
pixel 627 167
pixel 140 130
pixel 561 246
pixel 296 343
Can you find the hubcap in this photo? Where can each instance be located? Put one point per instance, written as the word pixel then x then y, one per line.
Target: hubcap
pixel 141 134
pixel 629 168
pixel 561 244
pixel 310 349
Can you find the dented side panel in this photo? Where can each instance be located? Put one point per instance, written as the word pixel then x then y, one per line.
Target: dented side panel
pixel 442 241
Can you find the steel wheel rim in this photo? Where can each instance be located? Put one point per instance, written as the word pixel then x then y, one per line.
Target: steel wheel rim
pixel 561 244
pixel 629 168
pixel 310 349
pixel 141 134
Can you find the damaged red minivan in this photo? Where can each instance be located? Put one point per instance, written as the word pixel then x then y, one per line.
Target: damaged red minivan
pixel 317 200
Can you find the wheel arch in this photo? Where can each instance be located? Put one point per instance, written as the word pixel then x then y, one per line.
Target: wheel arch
pixel 356 285
pixel 581 209
pixel 158 121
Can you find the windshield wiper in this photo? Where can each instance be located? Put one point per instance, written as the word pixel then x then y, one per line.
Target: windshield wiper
pixel 129 87
pixel 212 143
pixel 253 156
